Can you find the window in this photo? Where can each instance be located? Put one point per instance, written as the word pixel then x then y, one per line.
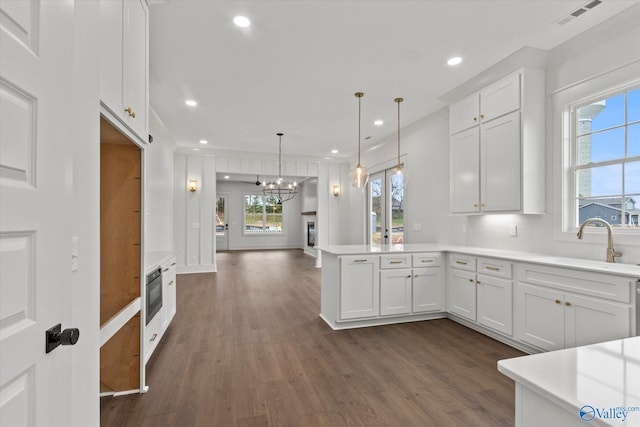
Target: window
pixel 605 158
pixel 262 214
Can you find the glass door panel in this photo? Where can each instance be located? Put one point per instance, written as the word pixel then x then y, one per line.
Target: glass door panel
pixel 222 226
pixel 386 208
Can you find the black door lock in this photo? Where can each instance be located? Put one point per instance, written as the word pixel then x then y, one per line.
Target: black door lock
pixel 56 336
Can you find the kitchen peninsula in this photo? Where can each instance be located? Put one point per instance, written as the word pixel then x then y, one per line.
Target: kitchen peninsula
pixel 596 383
pixel 533 302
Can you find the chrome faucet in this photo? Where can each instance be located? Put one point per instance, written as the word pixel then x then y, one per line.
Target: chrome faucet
pixel 611 253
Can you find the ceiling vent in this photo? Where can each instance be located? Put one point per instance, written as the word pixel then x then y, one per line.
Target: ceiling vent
pixel 581 10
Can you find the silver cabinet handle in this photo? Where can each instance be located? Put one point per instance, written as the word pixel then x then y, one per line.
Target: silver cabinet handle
pixel 165 270
pixel 396 262
pixel 427 260
pixel 492 268
pixel 153 337
pixel 359 260
pixel 172 264
pixel 171 283
pixel 461 262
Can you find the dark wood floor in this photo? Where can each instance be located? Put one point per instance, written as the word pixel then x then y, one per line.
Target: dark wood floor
pixel 247 348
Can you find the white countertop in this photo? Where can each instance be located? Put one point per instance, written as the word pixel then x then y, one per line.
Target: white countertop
pixel 602 376
pixel 581 264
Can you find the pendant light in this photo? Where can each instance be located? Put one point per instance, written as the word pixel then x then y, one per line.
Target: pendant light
pixel 360 174
pixel 400 169
pixel 279 189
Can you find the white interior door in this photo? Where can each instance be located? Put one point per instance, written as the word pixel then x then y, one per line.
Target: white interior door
pixel 222 222
pixel 36 58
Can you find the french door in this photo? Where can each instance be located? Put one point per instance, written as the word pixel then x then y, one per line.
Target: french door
pixel 386 208
pixel 222 222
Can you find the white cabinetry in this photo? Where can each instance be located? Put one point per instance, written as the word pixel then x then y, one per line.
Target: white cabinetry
pixel 168 291
pixel 551 318
pixel 481 290
pixel 427 283
pixel 359 286
pixel 124 62
pixel 395 292
pixel 497 147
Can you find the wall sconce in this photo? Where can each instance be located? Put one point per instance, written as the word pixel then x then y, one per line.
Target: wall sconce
pixel 192 185
pixel 336 190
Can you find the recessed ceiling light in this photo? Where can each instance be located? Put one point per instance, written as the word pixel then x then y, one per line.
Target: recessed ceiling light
pixel 378 122
pixel 454 60
pixel 191 102
pixel 204 141
pixel 241 21
pixel 226 177
pixel 334 151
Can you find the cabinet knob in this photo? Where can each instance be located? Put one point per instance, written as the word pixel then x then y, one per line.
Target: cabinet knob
pixel 475 205
pixel 558 301
pixel 130 112
pixel 482 116
pixel 409 276
pixel 171 283
pixel 478 282
pixel 475 119
pixel 568 304
pixel 153 337
pixel 482 204
pixel 471 280
pixel 416 276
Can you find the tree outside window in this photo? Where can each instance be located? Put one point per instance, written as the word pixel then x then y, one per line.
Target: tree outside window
pixel 262 214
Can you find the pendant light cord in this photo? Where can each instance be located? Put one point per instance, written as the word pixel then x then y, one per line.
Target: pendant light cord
pixel 398 100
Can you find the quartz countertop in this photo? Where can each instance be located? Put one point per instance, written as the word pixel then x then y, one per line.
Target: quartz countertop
pixel 598 379
pixel 153 260
pixel 556 261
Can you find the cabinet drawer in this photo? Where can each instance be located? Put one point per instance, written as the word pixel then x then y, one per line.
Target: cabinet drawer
pixel 463 262
pixel 495 267
pixel 427 260
pixel 395 261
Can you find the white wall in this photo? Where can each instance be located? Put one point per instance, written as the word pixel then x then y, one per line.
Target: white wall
pixel 292 236
pixel 159 202
pixel 194 213
pixel 426 144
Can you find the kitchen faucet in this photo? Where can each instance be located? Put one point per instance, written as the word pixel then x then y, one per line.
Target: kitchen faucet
pixel 611 253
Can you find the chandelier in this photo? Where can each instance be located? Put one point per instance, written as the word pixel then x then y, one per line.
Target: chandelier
pixel 279 189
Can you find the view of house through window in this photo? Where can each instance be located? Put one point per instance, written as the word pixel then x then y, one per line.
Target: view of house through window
pixel 606 159
pixel 262 214
pixel 386 207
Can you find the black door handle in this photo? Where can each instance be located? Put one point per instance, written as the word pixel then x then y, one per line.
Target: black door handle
pixel 55 336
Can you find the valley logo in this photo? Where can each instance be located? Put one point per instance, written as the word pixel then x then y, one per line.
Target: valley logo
pixel 588 413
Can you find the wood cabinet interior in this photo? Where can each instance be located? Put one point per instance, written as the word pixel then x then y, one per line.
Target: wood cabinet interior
pixel 120 221
pixel 120 359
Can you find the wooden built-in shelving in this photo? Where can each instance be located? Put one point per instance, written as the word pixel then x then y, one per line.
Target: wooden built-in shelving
pixel 120 260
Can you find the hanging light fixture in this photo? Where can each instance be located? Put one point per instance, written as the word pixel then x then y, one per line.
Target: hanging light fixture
pixel 360 174
pixel 400 169
pixel 278 189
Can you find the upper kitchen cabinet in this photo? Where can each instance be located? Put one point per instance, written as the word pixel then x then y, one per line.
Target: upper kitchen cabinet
pixel 497 147
pixel 124 86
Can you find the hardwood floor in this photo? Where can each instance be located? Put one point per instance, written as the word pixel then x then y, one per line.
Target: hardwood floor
pixel 247 348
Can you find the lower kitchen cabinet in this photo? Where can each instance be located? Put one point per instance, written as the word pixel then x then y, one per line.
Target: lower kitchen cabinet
pixel 359 286
pixel 428 290
pixel 168 291
pixel 395 292
pixel 551 319
pixel 495 303
pixel 461 293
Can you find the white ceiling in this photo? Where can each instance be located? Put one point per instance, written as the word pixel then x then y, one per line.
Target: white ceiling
pixel 296 68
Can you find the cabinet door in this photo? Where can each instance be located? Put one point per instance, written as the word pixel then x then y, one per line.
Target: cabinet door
pixel 590 320
pixel 540 314
pixel 500 164
pixel 395 292
pixel 461 293
pixel 152 335
pixel 168 292
pixel 464 114
pixel 428 290
pixel 359 287
pixel 465 171
pixel 135 66
pixel 495 303
pixel 500 98
pixel 111 20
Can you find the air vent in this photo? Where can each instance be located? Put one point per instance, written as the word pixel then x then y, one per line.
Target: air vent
pixel 576 13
